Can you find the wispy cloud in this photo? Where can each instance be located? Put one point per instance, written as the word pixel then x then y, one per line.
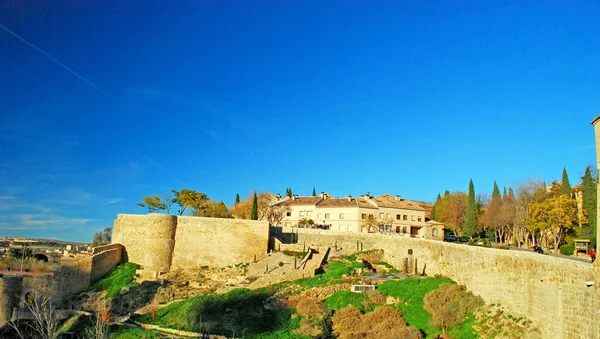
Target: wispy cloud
pixel 7 197
pixel 114 201
pixel 40 221
pixel 67 68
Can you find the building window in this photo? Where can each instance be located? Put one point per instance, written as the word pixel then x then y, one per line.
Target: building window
pixel 363 216
pixel 404 229
pixel 371 215
pixel 341 215
pixel 381 215
pixel 326 215
pixel 289 214
pixel 301 213
pixel 308 213
pixel 405 217
pixel 398 216
pixel 319 215
pixel 420 218
pixel 434 232
pixel 413 218
pixel 349 228
pixel 388 216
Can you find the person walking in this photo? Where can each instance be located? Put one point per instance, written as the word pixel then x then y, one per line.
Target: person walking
pixel 593 254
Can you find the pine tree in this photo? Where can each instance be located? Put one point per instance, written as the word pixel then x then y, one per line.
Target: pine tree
pixel 471 215
pixel 566 186
pixel 237 198
pixel 314 192
pixel 254 211
pixel 589 189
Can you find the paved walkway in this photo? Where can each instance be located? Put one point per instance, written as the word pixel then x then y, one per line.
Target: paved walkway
pixel 581 257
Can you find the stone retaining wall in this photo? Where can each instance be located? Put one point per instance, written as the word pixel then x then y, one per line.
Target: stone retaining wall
pixel 551 291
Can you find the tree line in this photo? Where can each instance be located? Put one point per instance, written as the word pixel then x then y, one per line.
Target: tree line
pixel 531 213
pixel 197 203
pixel 257 206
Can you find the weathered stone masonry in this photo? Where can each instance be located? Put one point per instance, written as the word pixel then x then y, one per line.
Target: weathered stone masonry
pixel 552 292
pixel 160 242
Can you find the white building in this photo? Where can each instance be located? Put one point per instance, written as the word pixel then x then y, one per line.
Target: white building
pixel 391 213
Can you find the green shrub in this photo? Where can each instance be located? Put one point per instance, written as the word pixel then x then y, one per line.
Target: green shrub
pixel 567 249
pixel 343 299
pixel 411 293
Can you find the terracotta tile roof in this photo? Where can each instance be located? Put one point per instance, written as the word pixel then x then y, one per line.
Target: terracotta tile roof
pixel 298 201
pixel 363 203
pixel 338 202
pixel 387 200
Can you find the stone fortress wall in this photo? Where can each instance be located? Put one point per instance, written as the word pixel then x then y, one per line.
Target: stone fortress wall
pixel 560 296
pixel 160 242
pixel 73 276
pixel 552 292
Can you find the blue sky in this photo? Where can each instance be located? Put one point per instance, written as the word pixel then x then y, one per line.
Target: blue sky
pixel 104 103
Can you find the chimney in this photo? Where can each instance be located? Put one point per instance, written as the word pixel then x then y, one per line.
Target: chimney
pixel 322 195
pixel 368 195
pixel 278 196
pixel 349 197
pixel 294 197
pixel 398 198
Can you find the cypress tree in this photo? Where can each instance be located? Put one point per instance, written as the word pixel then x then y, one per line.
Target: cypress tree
pixel 434 215
pixel 237 198
pixel 254 211
pixel 589 189
pixel 496 191
pixel 494 210
pixel 471 217
pixel 314 192
pixel 566 186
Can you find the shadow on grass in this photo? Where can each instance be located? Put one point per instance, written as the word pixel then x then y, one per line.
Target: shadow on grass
pixel 238 312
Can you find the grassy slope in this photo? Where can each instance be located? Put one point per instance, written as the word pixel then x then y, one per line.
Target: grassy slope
pixel 243 309
pixel 122 276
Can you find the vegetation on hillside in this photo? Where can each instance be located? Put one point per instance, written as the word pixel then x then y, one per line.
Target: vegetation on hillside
pixel 122 276
pixel 242 312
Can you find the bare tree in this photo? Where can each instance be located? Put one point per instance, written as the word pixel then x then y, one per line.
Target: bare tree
pixel 101 328
pixel 167 201
pixel 44 323
pixel 277 213
pixel 526 193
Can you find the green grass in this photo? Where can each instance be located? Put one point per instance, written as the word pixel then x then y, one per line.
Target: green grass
pixel 410 292
pixel 122 276
pixel 285 330
pixel 333 274
pixel 343 299
pixel 238 310
pixel 351 257
pixel 465 329
pixel 125 332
